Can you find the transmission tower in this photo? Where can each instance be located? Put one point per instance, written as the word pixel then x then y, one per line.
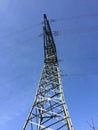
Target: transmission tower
pixel 49 110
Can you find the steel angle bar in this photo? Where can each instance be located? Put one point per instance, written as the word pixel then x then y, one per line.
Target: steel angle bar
pixel 49 108
pixel 40 125
pixel 50 112
pixel 61 126
pixel 53 123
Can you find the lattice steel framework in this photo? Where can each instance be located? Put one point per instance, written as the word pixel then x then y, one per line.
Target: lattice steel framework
pixel 49 111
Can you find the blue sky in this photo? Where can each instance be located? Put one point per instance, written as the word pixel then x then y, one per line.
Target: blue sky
pixel 21 55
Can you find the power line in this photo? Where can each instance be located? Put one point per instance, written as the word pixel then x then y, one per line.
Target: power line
pixel 25 74
pixel 18 31
pixel 78 74
pixel 51 20
pixel 73 17
pixel 56 33
pixel 13 46
pixel 79 30
pixel 19 44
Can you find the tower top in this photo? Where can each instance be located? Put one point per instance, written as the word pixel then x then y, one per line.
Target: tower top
pixel 45 17
pixel 49 45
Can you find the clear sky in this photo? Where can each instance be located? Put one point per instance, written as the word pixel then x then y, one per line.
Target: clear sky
pixel 21 57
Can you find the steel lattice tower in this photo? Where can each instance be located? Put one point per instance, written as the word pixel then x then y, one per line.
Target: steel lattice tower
pixel 49 111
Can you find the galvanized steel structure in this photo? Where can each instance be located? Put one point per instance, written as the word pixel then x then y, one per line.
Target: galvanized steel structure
pixel 49 111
